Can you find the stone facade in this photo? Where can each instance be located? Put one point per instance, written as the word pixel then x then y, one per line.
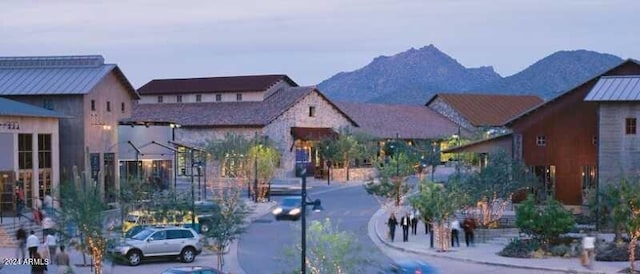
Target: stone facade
pixel 440 106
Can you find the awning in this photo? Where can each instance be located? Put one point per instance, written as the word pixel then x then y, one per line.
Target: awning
pixel 313 133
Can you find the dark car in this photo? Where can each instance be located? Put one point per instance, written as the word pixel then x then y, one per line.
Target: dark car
pixel 409 266
pixel 206 212
pixel 288 209
pixel 192 270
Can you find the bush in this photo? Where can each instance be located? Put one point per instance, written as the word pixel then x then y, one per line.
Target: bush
pixel 544 223
pixel 520 248
pixel 614 252
pixel 560 250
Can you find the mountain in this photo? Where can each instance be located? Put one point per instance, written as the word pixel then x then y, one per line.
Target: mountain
pixel 555 73
pixel 413 76
pixel 402 77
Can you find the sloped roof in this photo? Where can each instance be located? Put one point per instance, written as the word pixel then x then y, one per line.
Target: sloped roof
pixel 488 109
pixel 18 109
pixel 616 88
pixel 213 84
pixel 224 114
pixel 51 75
pixel 569 91
pixel 409 122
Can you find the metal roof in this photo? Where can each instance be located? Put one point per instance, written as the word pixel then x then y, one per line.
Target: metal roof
pixel 18 109
pixel 51 74
pixel 616 88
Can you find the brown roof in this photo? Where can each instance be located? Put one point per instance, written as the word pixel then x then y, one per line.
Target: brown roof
pixel 409 122
pixel 213 84
pixel 225 114
pixel 313 133
pixel 488 109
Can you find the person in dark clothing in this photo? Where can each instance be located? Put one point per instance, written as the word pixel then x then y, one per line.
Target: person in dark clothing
pixel 414 223
pixel 405 222
pixel 468 225
pixel 21 237
pixel 38 265
pixel 392 223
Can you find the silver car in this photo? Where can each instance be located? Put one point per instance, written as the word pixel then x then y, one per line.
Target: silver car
pixel 180 242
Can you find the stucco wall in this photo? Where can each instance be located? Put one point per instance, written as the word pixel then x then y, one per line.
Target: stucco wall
pixel 205 97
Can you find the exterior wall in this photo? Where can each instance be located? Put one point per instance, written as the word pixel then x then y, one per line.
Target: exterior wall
pixel 9 144
pixel 247 96
pixel 440 106
pixel 569 124
pixel 298 116
pixel 619 153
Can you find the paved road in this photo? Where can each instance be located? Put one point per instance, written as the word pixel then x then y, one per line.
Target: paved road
pixel 262 248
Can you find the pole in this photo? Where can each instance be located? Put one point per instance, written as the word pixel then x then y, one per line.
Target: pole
pixel 255 169
pixel 397 156
pixel 328 172
pixel 303 204
pixel 193 202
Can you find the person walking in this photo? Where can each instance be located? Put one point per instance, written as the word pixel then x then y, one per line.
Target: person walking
pixel 414 223
pixel 468 225
pixel 588 250
pixel 62 261
pixel 455 227
pixel 405 222
pixel 392 223
pixel 51 243
pixel 32 244
pixel 38 265
pixel 21 237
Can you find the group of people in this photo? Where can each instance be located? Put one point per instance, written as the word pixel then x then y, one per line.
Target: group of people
pixel 48 251
pixel 410 220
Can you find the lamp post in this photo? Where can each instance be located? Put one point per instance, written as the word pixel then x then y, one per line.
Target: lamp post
pixel 255 169
pixel 193 199
pixel 317 207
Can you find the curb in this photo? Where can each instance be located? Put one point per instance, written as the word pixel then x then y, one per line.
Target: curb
pixel 442 255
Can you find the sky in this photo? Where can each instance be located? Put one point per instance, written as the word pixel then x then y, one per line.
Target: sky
pixel 311 40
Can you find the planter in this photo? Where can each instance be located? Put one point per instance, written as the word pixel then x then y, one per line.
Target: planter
pixel 483 235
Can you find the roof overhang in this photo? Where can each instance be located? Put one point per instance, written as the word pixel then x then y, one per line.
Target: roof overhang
pixel 313 133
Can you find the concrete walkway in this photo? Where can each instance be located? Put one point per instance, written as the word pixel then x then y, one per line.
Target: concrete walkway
pixel 480 253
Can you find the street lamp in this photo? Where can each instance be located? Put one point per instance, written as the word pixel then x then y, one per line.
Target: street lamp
pixel 317 207
pixel 255 169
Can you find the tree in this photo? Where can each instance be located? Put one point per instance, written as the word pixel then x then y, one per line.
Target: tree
pixel 330 250
pixel 437 204
pixel 131 194
pixel 83 207
pixel 490 190
pixel 230 222
pixel 391 188
pixel 347 147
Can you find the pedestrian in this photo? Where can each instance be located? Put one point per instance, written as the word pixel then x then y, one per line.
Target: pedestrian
pixel 414 223
pixel 51 243
pixel 47 226
pixel 405 222
pixel 392 223
pixel 32 244
pixel 21 237
pixel 19 201
pixel 588 250
pixel 455 227
pixel 38 264
pixel 62 261
pixel 468 225
pixel 47 203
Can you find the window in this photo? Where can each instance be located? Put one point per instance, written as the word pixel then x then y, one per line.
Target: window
pixel 160 99
pixel 239 97
pixel 630 126
pixel 93 105
pixel 108 106
pixel 198 97
pixel 179 98
pixel 312 111
pixel 541 141
pixel 589 183
pixel 44 150
pixel 160 235
pixel 218 97
pixel 122 107
pixel 25 149
pixel 47 104
pixel 594 140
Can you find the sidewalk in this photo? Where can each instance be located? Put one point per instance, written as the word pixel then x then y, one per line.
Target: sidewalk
pixel 480 253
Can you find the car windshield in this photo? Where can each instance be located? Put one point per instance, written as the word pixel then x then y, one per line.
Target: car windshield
pixel 142 235
pixel 291 202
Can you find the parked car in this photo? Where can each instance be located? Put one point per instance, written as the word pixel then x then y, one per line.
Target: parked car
pixel 173 241
pixel 206 212
pixel 289 208
pixel 409 266
pixel 192 270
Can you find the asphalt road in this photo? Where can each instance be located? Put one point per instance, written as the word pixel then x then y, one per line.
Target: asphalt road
pixel 263 249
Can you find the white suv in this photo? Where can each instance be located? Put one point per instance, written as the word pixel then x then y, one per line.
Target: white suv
pixel 160 241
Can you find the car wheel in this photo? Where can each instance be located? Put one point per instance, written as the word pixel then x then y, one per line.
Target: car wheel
pixel 187 255
pixel 204 227
pixel 134 257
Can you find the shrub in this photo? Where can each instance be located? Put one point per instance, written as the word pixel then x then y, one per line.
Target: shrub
pixel 544 223
pixel 560 250
pixel 614 252
pixel 519 248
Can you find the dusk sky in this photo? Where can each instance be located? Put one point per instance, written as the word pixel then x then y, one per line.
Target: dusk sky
pixel 312 40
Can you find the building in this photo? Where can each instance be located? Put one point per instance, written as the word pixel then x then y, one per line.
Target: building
pixel 95 95
pixel 29 146
pixel 270 106
pixel 618 110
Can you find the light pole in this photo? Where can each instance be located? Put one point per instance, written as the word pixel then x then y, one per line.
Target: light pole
pixel 255 169
pixel 317 207
pixel 193 199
